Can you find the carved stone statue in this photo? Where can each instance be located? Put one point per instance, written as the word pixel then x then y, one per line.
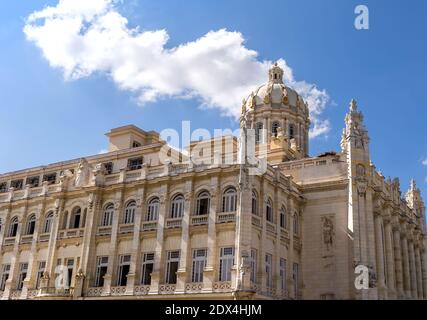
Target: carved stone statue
pixel 82 174
pixel 328 232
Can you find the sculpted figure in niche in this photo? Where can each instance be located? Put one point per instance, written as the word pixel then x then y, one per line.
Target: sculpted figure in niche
pixel 328 232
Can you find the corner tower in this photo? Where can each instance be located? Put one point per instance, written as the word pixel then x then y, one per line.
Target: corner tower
pixel 280 118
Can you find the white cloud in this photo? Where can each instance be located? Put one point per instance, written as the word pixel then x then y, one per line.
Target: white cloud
pixel 84 37
pixel 102 151
pixel 424 162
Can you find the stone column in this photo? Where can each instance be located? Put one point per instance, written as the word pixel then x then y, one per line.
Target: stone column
pixel 156 275
pixel 391 283
pixel 136 243
pixel 10 282
pixel 209 270
pixel 32 261
pixel 112 254
pixel 379 252
pixel 406 272
pixel 413 270
pixel 88 259
pixel 290 264
pixel 185 252
pixel 398 262
pixel 424 271
pixel 419 273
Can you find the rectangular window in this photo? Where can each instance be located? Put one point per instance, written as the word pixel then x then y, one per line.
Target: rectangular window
pixel 23 269
pixel 268 270
pixel 124 266
pixel 33 181
pixel 147 268
pixel 4 276
pixel 17 184
pixel 226 262
pixel 136 144
pixel 253 265
pixel 296 279
pixel 40 271
pixel 135 163
pixel 3 187
pixel 101 270
pixel 282 273
pixel 108 167
pixel 70 267
pixel 50 178
pixel 199 263
pixel 172 265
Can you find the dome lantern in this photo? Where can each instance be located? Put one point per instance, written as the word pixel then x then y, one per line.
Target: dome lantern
pixel 275 74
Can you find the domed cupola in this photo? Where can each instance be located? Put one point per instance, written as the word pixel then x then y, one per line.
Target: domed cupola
pixel 276 107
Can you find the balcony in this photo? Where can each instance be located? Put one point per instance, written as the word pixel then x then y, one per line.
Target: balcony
pixel 149 226
pixel 167 288
pixel 72 233
pixel 54 292
pixel 27 239
pixel 104 231
pixel 118 291
pixel 199 220
pixel 174 223
pixel 256 221
pixel 141 290
pixel 126 228
pixel 193 287
pixel 15 294
pixel 9 241
pixel 225 217
pixel 221 286
pixel 271 228
pixel 44 237
pixel 94 291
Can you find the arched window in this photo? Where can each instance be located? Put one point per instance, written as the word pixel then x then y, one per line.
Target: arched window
pixel 153 209
pixel 274 128
pixel 254 203
pixel 107 215
pixel 269 210
pixel 258 132
pixel 177 209
pixel 76 218
pixel 48 223
pixel 296 224
pixel 13 228
pixel 203 203
pixel 31 224
pixel 229 200
pixel 129 216
pixel 283 222
pixel 291 131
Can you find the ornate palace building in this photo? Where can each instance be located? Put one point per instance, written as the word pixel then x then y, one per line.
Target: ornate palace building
pixel 124 225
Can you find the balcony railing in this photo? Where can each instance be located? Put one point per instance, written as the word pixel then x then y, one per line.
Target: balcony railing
pixel 54 292
pixel 27 239
pixel 94 291
pixel 193 287
pixel 141 290
pixel 44 237
pixel 199 220
pixel 167 288
pixel 256 221
pixel 149 225
pixel 224 217
pixel 221 286
pixel 271 227
pixel 118 291
pixel 72 233
pixel 126 228
pixel 9 241
pixel 174 223
pixel 104 230
pixel 15 294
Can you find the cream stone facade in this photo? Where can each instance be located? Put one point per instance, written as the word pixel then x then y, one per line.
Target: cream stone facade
pixel 126 225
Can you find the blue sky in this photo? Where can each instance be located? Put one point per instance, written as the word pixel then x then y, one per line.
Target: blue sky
pixel 46 119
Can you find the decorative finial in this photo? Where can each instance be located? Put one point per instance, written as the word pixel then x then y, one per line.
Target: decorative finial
pixel 413 184
pixel 353 105
pixel 243 106
pixel 275 74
